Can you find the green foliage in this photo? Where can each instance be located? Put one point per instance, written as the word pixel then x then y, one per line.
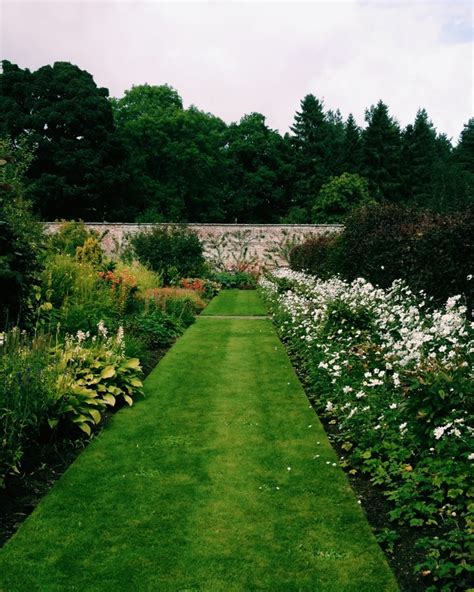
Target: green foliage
pixel 21 236
pixel 381 154
pixel 78 170
pixel 70 235
pixel 339 197
pixel 318 255
pixel 171 251
pixel 241 280
pixel 157 327
pixel 395 379
pixel 80 298
pixel 27 394
pixel 94 376
pixel 258 171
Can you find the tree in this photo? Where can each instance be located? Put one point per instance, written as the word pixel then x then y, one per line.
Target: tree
pixel 176 156
pixel 381 154
pixel 352 147
pixel 258 171
pixel 464 159
pixel 418 160
pixel 78 170
pixel 339 197
pixel 310 150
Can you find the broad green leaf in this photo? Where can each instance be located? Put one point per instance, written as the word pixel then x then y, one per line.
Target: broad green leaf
pixel 85 428
pixel 131 363
pixel 108 372
pixel 95 415
pixel 109 399
pixel 128 399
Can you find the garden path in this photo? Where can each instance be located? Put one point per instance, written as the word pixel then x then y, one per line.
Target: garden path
pixel 221 479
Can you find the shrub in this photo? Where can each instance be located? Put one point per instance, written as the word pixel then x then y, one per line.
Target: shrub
pixel 72 235
pixel 21 236
pixel 27 394
pixel 318 255
pixel 80 298
pixel 382 243
pixel 145 278
pixel 395 379
pixel 242 280
pixel 207 288
pixel 172 251
pixel 375 243
pixel 156 327
pixel 94 374
pixel 431 252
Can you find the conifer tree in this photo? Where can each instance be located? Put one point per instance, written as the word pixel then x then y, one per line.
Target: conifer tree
pixel 352 147
pixel 381 154
pixel 310 150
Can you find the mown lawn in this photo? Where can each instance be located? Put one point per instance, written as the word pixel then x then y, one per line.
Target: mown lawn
pixel 222 479
pixel 236 303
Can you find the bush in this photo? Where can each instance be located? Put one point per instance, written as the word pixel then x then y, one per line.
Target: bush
pixel 27 394
pixel 156 327
pixel 70 236
pixel 318 255
pixel 383 243
pixel 431 252
pixel 21 236
pixel 80 298
pixel 94 374
pixel 172 251
pixel 242 280
pixel 145 278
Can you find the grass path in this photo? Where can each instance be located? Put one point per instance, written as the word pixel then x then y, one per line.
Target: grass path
pixel 222 479
pixel 236 303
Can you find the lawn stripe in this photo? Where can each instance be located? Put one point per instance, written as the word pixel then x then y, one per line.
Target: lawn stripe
pixel 190 488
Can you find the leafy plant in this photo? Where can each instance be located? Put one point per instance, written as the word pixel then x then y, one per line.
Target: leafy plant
pixel 94 376
pixel 382 362
pixel 171 251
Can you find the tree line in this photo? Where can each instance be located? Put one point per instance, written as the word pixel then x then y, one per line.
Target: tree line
pixel 144 157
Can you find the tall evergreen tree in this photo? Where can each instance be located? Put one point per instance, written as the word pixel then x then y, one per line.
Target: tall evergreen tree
pixel 381 154
pixel 352 147
pixel 310 141
pixel 418 161
pixel 464 158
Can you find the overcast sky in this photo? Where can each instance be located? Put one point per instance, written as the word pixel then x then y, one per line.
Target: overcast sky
pixel 232 58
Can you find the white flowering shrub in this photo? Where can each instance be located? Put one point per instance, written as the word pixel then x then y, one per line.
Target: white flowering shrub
pixel 394 376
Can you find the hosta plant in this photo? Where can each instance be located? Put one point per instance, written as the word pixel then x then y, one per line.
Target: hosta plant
pixel 94 374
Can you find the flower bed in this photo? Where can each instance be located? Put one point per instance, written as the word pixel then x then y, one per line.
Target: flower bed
pixel 393 376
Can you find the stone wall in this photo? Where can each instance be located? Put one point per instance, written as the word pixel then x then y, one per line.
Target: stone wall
pixel 226 245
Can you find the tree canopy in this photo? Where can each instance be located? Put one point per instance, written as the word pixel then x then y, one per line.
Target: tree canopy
pixel 146 157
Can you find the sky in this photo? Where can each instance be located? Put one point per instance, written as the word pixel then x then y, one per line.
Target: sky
pixel 232 57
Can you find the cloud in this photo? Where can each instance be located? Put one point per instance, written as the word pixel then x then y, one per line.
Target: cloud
pixel 232 58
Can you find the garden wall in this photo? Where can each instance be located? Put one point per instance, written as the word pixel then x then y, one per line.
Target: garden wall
pixel 225 244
